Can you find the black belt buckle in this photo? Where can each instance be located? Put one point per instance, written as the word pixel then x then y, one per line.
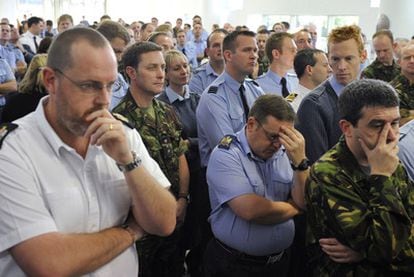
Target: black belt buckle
pixel 275 258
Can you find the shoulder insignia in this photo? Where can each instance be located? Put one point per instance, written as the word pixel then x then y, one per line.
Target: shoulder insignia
pixel 123 119
pixel 291 97
pixel 5 129
pixel 212 89
pixel 293 75
pixel 226 141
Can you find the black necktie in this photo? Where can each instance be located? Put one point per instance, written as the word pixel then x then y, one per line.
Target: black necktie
pixel 244 101
pixel 285 91
pixel 35 43
pixel 183 51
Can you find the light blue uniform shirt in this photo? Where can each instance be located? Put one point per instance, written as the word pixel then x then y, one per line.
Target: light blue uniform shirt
pixel 337 87
pixel 237 171
pixel 406 146
pixel 6 74
pixel 220 111
pixel 270 82
pixel 117 95
pixel 190 53
pixel 202 77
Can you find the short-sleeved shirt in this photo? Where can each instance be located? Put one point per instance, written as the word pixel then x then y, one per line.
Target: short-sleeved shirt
pixel 28 39
pixel 371 214
pixel 406 145
pixel 271 82
pixel 220 111
pixel 202 77
pixel 234 171
pixel 51 188
pixel 161 135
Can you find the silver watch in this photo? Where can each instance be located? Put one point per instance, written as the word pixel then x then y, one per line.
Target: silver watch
pixel 136 162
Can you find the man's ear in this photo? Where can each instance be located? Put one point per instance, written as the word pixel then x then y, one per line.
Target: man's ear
pixel 275 54
pixel 364 56
pixel 49 77
pixel 227 54
pixel 346 127
pixel 131 72
pixel 309 69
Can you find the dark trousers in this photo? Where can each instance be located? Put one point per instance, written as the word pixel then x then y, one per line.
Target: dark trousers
pixel 219 262
pixel 201 205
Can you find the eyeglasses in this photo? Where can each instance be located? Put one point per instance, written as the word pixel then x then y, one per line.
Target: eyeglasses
pixel 272 137
pixel 91 87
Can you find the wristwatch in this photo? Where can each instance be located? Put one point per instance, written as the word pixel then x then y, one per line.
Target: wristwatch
pixel 303 165
pixel 136 162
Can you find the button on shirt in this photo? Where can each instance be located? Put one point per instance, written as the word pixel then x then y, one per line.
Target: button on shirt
pixel 221 113
pixel 202 77
pixel 50 188
pixel 237 171
pixel 270 82
pixel 406 152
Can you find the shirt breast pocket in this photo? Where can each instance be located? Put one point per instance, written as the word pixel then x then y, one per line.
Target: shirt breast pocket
pixel 67 208
pixel 236 114
pixel 281 188
pixel 117 202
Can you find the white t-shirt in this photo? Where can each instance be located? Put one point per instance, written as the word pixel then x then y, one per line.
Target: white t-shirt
pixel 45 186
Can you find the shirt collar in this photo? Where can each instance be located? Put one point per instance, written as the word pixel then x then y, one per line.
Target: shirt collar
pixel 274 76
pixel 210 70
pixel 241 137
pixel 233 84
pixel 173 96
pixel 48 132
pixel 337 87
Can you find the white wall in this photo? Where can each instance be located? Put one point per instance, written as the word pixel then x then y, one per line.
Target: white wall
pixel 234 11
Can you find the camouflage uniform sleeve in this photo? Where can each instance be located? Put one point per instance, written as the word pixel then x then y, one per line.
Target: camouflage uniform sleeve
pixel 181 147
pixel 372 220
pixel 368 73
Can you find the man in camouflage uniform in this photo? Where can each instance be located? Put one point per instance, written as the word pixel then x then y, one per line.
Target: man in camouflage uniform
pixel 262 60
pixel 404 84
pixel 360 202
pixel 161 132
pixel 384 67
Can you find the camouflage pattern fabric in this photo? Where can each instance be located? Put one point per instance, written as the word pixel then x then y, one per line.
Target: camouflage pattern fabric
pixel 263 65
pixel 405 93
pixel 371 214
pixel 161 136
pixel 379 71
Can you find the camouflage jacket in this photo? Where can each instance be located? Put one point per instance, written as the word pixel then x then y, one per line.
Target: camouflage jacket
pixel 161 136
pixel 371 214
pixel 406 94
pixel 263 65
pixel 379 71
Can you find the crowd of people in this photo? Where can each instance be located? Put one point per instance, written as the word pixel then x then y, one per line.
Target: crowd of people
pixel 147 149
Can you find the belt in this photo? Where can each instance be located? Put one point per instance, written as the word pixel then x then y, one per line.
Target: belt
pixel 264 260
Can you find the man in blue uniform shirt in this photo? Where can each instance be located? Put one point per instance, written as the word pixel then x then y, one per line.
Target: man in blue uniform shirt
pixel 206 73
pixel 256 182
pixel 281 50
pixel 224 105
pixel 406 153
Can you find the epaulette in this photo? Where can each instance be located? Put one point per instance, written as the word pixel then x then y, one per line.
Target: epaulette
pixel 5 129
pixel 226 141
pixel 199 69
pixel 291 75
pixel 212 89
pixel 123 119
pixel 252 81
pixel 291 97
